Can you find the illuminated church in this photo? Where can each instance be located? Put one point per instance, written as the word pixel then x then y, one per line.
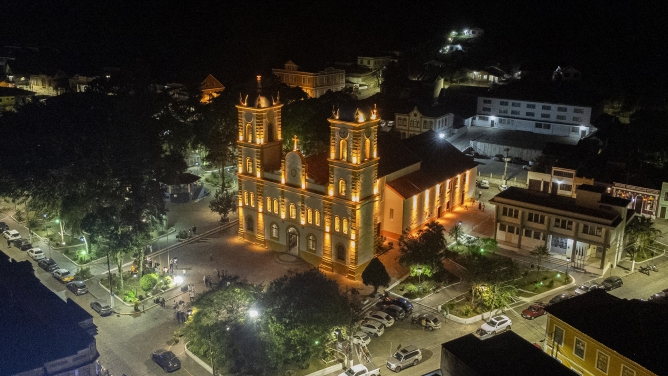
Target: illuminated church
pixel 328 208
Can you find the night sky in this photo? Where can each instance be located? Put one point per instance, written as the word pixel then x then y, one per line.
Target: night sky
pixel 185 40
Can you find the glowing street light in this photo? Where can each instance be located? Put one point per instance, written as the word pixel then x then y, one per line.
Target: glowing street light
pixel 178 280
pixel 253 313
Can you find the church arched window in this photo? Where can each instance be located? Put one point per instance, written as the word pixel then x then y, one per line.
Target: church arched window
pixel 367 149
pixel 309 215
pixel 344 225
pixel 342 187
pixel 343 150
pixel 275 206
pixel 340 252
pixel 249 165
pixel 249 132
pixel 337 224
pixel 293 211
pixel 317 217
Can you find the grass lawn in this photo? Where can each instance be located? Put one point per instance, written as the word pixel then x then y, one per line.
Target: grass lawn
pixel 419 287
pixel 533 283
pixel 132 289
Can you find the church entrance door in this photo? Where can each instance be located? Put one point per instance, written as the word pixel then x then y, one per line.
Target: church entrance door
pixel 293 241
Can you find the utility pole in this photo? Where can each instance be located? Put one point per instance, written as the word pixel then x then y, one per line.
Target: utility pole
pixel 506 159
pixel 111 287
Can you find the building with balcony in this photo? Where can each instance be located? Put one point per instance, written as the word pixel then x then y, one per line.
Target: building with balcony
pixel 329 208
pixel 315 83
pixel 587 229
pixel 417 121
pixel 600 334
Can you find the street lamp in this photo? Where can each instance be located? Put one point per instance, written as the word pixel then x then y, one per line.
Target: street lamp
pixel 62 232
pixel 197 164
pixel 419 270
pixel 253 313
pixel 568 263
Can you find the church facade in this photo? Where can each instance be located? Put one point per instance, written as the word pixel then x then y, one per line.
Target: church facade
pixel 329 208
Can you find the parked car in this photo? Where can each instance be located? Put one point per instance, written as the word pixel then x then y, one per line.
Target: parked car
pixel 361 338
pixel 101 307
pixel 503 187
pixel 11 235
pixel 372 327
pixel 401 302
pixel 612 283
pixel 428 321
pixel 63 275
pixel 403 358
pixel 395 311
pixel 559 298
pixel 23 244
pixel 382 317
pixel 3 226
pixel 47 264
pixel 166 360
pixel 36 253
pixel 497 324
pixel 526 167
pixel 587 287
pixel 499 157
pixel 484 184
pixel 535 310
pixel 77 287
pixel 368 369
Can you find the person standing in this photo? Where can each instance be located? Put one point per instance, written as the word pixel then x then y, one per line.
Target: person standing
pixel 479 205
pixel 194 230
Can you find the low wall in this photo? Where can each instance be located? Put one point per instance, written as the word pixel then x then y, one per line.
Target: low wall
pixel 198 360
pixel 496 179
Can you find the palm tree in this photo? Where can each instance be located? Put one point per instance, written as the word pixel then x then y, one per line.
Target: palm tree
pixel 640 234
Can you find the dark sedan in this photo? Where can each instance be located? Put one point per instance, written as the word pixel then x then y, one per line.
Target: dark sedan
pixel 77 287
pixel 401 302
pixel 103 308
pixel 612 283
pixel 3 227
pixel 48 264
pixel 559 298
pixel 166 360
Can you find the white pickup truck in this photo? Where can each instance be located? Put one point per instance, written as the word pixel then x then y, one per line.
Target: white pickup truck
pixel 368 369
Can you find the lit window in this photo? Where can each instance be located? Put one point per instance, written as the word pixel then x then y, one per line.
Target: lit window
pixel 249 165
pixel 317 217
pixel 342 187
pixel 268 204
pixel 309 215
pixel 337 224
pixel 252 199
pixel 293 211
pixel 275 206
pixel 344 225
pixel 245 197
pixel 274 231
pixel 249 132
pixel 343 150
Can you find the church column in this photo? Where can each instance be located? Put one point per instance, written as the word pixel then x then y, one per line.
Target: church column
pixel 260 237
pixel 241 208
pixel 327 263
pixel 352 247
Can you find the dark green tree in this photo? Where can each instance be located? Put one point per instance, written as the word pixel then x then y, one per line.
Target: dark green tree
pixel 640 236
pixel 223 203
pixel 539 254
pixel 423 247
pixel 375 275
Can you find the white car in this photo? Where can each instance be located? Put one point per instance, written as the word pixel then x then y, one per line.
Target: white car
pixel 372 327
pixel 63 275
pixel 11 235
pixel 381 317
pixel 497 324
pixel 36 253
pixel 587 288
pixel 503 187
pixel 361 338
pixel 483 184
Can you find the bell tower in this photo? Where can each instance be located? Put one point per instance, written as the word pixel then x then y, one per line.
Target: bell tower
pixel 353 180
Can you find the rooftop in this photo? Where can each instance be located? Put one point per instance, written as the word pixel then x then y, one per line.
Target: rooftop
pixel 37 326
pixel 503 354
pixel 521 197
pixel 439 162
pixel 544 92
pixel 639 333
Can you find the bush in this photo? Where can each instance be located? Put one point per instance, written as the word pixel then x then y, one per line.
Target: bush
pixel 551 283
pixel 466 310
pixel 83 274
pixel 129 296
pixel 162 232
pixel 148 281
pixel 183 234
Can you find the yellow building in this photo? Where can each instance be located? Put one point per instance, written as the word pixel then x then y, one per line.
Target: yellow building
pixel 314 84
pixel 329 208
pixel 210 88
pixel 599 334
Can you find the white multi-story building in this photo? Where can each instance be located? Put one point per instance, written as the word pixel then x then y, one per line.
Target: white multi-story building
pixel 314 84
pixel 557 119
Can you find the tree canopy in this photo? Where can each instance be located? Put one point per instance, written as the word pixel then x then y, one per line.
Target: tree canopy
pixel 375 274
pixel 426 246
